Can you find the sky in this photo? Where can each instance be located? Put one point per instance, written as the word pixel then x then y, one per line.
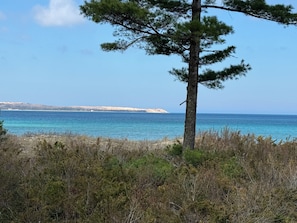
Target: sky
pixel 50 54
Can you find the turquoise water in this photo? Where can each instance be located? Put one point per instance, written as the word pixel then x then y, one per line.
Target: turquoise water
pixel 144 126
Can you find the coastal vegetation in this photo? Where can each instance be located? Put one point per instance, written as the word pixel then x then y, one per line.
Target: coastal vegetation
pixel 2 129
pixel 228 177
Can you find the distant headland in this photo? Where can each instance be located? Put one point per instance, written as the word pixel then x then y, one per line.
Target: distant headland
pixel 38 107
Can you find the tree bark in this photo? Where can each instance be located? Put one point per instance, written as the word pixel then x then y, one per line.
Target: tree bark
pixel 192 87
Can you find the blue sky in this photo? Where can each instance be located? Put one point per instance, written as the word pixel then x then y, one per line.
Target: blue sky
pixel 50 54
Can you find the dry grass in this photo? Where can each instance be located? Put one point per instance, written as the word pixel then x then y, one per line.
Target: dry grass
pixel 70 178
pixel 29 141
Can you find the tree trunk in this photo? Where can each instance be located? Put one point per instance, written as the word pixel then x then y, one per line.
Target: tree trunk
pixel 192 88
pixel 190 120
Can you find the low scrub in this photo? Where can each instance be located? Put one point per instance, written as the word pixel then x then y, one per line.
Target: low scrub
pixel 69 178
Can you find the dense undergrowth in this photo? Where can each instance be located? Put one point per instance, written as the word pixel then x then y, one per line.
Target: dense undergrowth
pixel 228 178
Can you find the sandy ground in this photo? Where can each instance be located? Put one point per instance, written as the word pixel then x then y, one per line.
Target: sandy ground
pixel 29 142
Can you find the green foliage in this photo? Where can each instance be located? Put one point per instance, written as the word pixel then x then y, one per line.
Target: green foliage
pixel 231 178
pixel 214 79
pixel 11 175
pixel 195 157
pixel 175 150
pixel 157 168
pixel 260 9
pixel 232 168
pixel 167 27
pixel 3 131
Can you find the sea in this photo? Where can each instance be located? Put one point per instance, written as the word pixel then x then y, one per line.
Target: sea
pixel 144 126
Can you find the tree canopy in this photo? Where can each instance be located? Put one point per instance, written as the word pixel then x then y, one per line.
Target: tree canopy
pixel 183 28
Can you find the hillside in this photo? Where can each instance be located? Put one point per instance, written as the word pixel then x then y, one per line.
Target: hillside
pixel 38 107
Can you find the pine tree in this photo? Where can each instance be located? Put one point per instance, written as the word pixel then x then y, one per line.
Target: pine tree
pixel 181 27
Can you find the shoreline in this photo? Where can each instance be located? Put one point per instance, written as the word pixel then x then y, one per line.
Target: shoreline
pixel 65 110
pixel 21 106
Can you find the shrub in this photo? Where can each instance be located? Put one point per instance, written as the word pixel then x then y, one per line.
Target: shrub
pixel 232 169
pixel 175 150
pixel 3 131
pixel 195 157
pixel 157 168
pixel 11 177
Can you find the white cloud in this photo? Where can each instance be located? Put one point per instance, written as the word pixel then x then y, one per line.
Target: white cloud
pixel 58 13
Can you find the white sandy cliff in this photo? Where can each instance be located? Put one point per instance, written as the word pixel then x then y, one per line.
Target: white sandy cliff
pixel 37 107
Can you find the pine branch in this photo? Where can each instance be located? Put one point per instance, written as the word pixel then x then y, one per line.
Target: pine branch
pixel 287 18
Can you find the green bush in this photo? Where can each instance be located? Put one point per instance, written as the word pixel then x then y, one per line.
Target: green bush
pixel 3 132
pixel 11 177
pixel 157 168
pixel 195 157
pixel 175 150
pixel 231 168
